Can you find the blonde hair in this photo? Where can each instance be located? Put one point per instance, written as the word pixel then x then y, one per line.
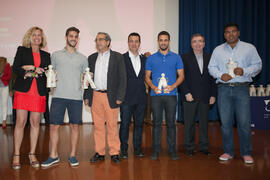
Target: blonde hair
pixel 3 63
pixel 26 42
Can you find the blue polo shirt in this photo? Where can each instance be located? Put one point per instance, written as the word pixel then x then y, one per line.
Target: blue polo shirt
pixel 168 64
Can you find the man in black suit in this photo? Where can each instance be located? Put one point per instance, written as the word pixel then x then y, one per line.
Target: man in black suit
pixel 135 99
pixel 198 92
pixel 108 68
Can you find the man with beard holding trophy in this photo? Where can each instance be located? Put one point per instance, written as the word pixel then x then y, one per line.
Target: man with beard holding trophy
pixel 233 89
pixel 69 65
pixel 164 73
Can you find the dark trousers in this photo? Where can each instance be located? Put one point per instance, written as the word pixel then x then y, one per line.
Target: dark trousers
pixel 126 112
pixel 158 105
pixel 191 111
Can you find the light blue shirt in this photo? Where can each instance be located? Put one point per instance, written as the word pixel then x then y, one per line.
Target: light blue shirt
pixel 244 54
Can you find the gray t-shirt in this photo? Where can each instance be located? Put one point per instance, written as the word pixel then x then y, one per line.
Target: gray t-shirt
pixel 69 68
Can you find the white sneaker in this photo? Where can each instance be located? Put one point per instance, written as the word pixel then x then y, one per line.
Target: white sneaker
pixel 248 159
pixel 225 157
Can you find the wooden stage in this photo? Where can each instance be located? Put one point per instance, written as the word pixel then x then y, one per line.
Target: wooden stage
pixel 198 167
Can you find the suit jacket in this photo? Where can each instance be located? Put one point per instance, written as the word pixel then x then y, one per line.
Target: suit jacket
pixel 24 56
pixel 135 91
pixel 116 78
pixel 201 86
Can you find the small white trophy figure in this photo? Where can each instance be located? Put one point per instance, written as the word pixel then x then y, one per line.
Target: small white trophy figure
pixel 267 90
pixel 162 83
pixel 252 90
pixel 51 77
pixel 260 91
pixel 231 65
pixel 88 79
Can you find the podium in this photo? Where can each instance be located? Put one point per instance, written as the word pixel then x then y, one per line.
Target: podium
pixel 260 112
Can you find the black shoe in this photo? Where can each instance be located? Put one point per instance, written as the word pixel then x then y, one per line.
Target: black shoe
pixel 97 158
pixel 138 153
pixel 205 152
pixel 115 158
pixel 154 156
pixel 190 153
pixel 124 154
pixel 174 156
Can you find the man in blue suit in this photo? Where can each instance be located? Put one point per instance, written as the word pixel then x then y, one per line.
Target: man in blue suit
pixel 135 101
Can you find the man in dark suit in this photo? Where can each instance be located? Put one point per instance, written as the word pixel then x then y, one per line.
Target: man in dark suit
pixel 198 92
pixel 135 99
pixel 108 68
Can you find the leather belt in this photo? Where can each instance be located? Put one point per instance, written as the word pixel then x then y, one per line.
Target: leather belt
pixel 101 91
pixel 234 84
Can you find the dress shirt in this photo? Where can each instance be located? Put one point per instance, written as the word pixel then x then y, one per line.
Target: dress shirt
pixel 244 54
pixel 199 58
pixel 101 70
pixel 136 62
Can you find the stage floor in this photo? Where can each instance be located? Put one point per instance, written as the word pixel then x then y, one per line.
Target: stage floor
pixel 198 167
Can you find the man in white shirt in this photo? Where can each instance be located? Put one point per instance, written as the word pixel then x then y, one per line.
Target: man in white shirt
pixel 135 99
pixel 109 72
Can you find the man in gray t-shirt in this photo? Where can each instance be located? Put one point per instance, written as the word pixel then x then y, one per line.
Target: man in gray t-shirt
pixel 69 65
pixel 69 68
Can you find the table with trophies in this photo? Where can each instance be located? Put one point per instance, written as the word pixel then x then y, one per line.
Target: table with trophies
pixel 260 106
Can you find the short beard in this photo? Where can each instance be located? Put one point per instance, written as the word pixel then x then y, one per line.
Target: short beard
pixel 164 49
pixel 71 44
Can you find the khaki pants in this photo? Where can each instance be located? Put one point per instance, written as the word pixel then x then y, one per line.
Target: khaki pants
pixel 101 113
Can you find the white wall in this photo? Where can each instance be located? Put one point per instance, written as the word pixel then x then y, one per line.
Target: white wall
pixel 121 19
pixel 166 17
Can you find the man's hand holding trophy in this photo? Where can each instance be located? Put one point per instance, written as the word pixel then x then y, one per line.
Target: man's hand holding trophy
pixel 163 84
pixel 233 71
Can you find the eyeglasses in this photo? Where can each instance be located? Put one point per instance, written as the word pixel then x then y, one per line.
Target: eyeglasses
pixel 100 39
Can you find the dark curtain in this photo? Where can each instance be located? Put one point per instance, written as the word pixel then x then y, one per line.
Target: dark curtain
pixel 208 17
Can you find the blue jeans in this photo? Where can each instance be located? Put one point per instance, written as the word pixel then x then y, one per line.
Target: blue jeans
pixel 235 102
pixel 158 104
pixel 126 112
